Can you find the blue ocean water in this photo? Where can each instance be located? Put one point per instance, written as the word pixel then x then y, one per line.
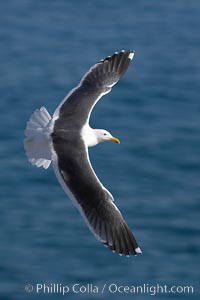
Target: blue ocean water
pixel 154 175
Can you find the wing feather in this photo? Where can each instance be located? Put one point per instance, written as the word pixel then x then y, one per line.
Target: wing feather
pixel 96 205
pixel 97 82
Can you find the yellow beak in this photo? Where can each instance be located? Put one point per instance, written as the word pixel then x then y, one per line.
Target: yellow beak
pixel 114 139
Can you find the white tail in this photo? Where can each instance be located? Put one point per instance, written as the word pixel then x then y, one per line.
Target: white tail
pixel 37 142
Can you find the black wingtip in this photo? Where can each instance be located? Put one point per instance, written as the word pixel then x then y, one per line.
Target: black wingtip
pixel 135 252
pixel 122 240
pixel 126 53
pixel 108 71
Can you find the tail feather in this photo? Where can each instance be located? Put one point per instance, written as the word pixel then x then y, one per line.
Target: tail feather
pixel 37 142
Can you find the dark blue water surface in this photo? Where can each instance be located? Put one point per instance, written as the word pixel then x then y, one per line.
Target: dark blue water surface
pixel 154 175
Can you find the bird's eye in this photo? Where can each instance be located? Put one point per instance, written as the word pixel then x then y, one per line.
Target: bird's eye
pixel 104 133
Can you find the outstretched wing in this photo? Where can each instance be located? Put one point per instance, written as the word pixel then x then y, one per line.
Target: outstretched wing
pixel 95 203
pixel 97 82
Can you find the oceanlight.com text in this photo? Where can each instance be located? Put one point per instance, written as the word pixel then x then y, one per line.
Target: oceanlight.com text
pixel 109 288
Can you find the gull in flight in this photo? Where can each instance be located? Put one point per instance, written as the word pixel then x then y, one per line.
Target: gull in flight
pixel 63 140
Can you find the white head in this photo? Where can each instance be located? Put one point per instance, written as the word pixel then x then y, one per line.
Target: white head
pixel 103 135
pixel 93 137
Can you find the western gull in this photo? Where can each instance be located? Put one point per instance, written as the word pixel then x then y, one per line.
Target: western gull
pixel 64 140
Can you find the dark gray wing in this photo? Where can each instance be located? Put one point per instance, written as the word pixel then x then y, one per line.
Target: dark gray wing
pixel 71 162
pixel 95 203
pixel 97 82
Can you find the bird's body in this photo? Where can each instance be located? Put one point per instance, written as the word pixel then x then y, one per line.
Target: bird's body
pixel 64 140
